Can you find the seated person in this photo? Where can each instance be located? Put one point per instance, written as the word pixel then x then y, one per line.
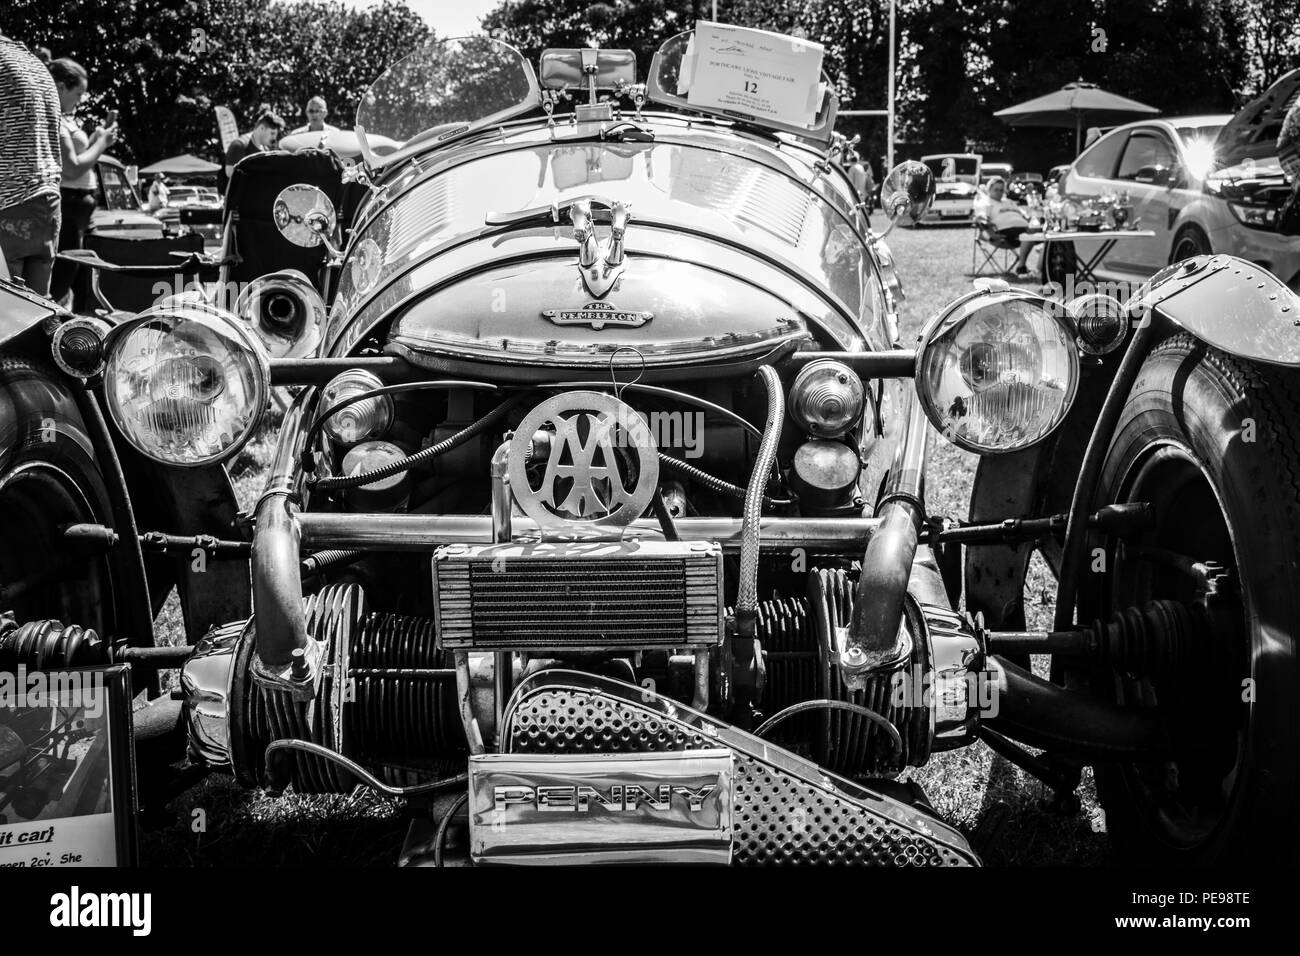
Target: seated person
pixel 1006 218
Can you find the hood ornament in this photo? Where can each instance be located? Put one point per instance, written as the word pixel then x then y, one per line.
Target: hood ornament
pixel 600 267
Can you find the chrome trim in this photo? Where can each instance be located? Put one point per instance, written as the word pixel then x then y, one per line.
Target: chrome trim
pixel 207 685
pixel 419 532
pixel 601 808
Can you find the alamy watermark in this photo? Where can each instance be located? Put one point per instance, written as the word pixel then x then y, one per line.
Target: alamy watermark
pixel 29 689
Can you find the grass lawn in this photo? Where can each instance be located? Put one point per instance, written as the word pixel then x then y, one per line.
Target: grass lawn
pixel 970 788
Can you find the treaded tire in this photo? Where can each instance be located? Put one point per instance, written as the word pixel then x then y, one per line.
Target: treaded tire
pixel 1193 408
pixel 47 462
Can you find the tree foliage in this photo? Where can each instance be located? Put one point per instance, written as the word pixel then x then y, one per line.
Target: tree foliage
pixel 164 64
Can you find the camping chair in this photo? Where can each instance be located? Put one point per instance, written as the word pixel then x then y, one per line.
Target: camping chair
pixel 998 251
pixel 121 275
pixel 252 245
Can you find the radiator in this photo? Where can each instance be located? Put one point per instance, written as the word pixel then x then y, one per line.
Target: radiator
pixel 578 596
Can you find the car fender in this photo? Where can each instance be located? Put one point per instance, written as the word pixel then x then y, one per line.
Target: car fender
pixel 1226 302
pixel 1234 305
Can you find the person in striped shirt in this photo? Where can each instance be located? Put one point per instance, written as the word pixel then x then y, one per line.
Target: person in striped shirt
pixel 30 167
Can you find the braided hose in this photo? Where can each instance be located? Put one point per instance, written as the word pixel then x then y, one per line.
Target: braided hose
pixel 433 451
pixel 713 481
pixel 747 598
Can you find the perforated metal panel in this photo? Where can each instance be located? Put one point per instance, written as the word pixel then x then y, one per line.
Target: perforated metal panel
pixel 787 811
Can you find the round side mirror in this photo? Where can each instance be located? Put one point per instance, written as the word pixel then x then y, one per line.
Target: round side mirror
pixel 909 188
pixel 304 215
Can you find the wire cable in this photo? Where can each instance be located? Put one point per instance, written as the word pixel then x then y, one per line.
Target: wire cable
pixel 360 772
pixel 443 825
pixel 825 704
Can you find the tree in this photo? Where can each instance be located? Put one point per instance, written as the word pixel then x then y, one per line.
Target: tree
pixel 163 64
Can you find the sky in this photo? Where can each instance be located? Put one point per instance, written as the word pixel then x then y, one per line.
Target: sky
pixel 449 18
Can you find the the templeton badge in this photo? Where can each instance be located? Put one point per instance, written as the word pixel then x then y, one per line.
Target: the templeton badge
pixel 598 315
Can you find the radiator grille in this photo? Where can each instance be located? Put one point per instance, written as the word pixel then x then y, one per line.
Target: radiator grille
pixel 584 598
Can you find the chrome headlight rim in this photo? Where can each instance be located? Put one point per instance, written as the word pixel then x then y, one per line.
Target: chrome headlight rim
pixel 962 309
pixel 222 322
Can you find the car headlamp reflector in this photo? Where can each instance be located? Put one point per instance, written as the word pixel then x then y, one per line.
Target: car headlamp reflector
pixel 826 398
pixel 998 372
pixel 367 418
pixel 185 386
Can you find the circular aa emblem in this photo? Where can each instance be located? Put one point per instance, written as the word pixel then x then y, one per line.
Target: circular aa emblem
pixel 601 463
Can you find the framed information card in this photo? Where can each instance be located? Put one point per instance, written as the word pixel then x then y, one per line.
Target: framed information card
pixel 753 72
pixel 67 781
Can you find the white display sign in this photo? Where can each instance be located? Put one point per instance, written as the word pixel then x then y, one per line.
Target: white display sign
pixel 64 743
pixel 753 72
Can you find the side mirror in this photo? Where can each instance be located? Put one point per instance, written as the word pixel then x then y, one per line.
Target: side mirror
pixel 305 216
pixel 908 189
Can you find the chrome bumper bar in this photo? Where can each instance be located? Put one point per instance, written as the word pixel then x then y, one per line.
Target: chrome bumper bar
pixel 416 532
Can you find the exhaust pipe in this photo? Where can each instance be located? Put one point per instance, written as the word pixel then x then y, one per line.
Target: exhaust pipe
pixel 284 657
pixel 875 637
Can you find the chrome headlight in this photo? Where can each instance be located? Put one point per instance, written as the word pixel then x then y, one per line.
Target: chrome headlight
pixel 997 372
pixel 826 398
pixel 185 383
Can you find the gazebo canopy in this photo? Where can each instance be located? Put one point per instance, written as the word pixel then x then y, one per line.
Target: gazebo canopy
pixel 186 164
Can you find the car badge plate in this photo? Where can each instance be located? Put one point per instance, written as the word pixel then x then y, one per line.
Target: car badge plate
pixel 598 315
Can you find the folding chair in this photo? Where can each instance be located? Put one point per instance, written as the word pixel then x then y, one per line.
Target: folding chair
pixel 996 249
pixel 251 244
pixel 123 275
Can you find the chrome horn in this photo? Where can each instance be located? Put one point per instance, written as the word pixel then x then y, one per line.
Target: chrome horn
pixel 284 311
pixel 909 188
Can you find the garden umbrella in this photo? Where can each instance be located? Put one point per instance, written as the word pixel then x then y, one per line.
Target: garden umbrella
pixel 183 165
pixel 1068 106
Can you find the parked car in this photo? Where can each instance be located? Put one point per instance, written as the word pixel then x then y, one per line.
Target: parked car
pixel 957 178
pixel 602 500
pixel 118 210
pixel 1204 184
pixel 190 197
pixel 989 170
pixel 1054 175
pixel 1022 185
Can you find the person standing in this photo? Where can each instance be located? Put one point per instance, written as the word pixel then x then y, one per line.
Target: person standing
pixel 80 152
pixel 262 137
pixel 29 166
pixel 316 110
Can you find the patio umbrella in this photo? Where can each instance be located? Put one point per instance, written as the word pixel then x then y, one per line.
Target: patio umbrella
pixel 1070 104
pixel 184 165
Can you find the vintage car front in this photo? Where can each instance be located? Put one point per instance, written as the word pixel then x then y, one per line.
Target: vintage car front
pixel 599 503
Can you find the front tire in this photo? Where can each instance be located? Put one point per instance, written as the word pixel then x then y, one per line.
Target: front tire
pixel 1189 242
pixel 49 478
pixel 1213 443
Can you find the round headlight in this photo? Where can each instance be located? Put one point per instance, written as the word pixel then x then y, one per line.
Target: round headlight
pixel 997 372
pixel 826 398
pixel 185 386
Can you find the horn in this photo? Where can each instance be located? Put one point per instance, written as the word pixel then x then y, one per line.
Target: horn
pixel 285 311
